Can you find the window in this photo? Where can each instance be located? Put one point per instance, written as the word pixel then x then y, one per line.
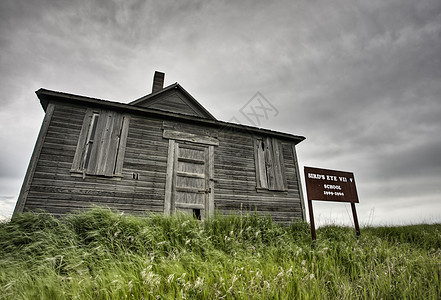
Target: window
pixel 270 170
pixel 101 146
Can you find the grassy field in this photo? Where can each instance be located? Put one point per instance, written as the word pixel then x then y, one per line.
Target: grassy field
pixel 103 255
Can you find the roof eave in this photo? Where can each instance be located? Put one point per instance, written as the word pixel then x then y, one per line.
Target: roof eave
pixel 46 96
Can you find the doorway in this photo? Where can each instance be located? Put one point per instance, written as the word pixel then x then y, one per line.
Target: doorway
pixel 189 184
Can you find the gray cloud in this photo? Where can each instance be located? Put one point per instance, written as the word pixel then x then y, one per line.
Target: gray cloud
pixel 361 80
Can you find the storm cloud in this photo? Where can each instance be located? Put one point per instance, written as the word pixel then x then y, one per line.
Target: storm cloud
pixel 361 80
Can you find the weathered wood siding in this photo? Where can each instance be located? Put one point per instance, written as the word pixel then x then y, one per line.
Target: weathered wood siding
pixel 56 191
pixel 173 102
pixel 142 187
pixel 236 174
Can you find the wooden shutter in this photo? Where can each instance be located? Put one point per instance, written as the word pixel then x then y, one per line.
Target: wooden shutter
pixel 270 169
pixel 280 183
pixel 122 145
pixel 269 162
pixel 78 162
pixel 90 139
pixel 259 157
pixel 105 149
pixel 105 155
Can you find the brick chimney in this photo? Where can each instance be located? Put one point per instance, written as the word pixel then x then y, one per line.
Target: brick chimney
pixel 158 81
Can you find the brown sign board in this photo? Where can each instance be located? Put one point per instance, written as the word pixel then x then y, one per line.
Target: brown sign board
pixel 330 185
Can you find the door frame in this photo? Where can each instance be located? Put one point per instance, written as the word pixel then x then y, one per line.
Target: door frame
pixel 175 138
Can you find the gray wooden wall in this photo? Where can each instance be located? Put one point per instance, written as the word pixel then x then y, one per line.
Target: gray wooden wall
pixel 54 189
pixel 235 172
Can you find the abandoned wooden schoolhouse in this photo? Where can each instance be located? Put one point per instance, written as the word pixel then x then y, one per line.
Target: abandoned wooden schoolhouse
pixel 161 153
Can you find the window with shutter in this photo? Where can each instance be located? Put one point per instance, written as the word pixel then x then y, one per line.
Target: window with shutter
pixel 270 170
pixel 101 146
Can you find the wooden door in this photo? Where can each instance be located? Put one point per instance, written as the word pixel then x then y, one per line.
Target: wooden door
pixel 189 186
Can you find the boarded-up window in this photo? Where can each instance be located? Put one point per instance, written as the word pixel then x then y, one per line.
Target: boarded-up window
pixel 270 170
pixel 101 146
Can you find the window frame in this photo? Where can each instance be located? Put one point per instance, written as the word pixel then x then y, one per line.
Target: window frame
pixel 103 132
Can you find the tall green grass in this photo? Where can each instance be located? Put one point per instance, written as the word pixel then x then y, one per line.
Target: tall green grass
pixel 99 254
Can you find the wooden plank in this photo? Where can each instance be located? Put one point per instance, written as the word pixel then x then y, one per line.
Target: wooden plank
pixel 190 137
pixel 58 148
pixel 264 195
pixel 210 206
pixel 276 165
pixel 279 168
pixel 143 159
pixel 118 194
pixel 226 172
pixel 110 145
pixel 136 186
pixel 187 167
pixel 69 108
pixel 60 130
pixel 272 208
pixel 195 128
pixel 189 205
pixel 233 167
pixel 354 214
pixel 273 202
pixel 197 183
pixel 191 175
pixel 261 177
pixel 190 198
pixel 62 208
pixel 96 148
pixel 96 188
pixel 197 154
pixel 21 201
pixel 206 213
pixel 268 199
pixel 269 163
pixel 79 152
pixel 145 138
pixel 174 106
pixel 175 163
pixel 122 145
pixel 251 207
pixel 74 118
pixel 62 167
pixel 274 215
pixel 47 197
pixel 191 160
pixel 147 153
pixel 299 182
pixel 169 177
pixel 189 189
pixel 192 146
pixel 237 147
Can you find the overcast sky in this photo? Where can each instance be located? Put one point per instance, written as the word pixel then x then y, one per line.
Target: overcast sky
pixel 361 80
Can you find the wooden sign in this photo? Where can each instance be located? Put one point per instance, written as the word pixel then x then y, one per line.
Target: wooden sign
pixel 330 185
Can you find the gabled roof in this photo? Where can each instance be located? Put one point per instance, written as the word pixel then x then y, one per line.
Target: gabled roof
pixel 176 99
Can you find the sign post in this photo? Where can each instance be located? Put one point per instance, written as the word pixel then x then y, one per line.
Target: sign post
pixel 330 185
